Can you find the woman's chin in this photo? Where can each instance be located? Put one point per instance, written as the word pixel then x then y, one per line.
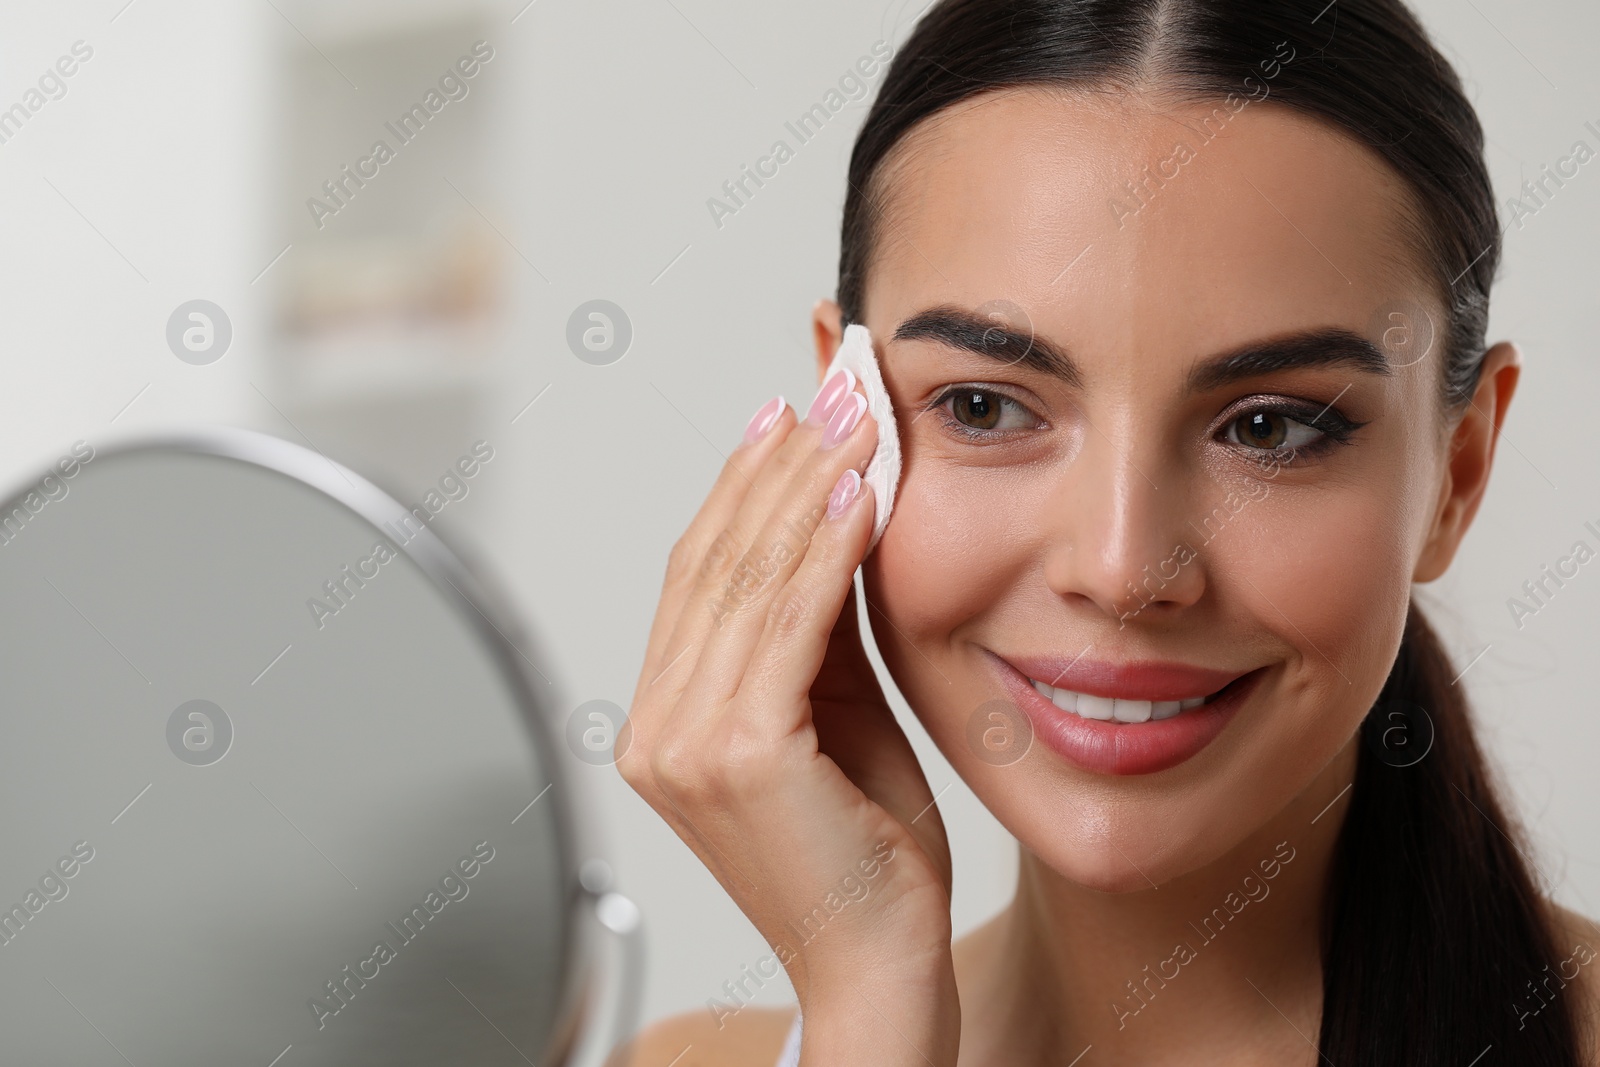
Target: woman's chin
pixel 1113 879
pixel 1125 864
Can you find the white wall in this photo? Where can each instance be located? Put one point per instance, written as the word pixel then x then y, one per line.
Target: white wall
pixel 613 121
pixel 136 191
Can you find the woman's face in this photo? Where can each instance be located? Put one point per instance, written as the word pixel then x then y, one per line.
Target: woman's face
pixel 1216 453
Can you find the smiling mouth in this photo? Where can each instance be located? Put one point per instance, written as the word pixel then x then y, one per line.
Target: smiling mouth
pixel 1117 709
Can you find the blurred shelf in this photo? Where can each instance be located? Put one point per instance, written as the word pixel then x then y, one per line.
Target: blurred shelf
pixel 338 25
pixel 399 295
pixel 363 364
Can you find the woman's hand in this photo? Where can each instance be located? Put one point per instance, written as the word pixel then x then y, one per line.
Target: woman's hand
pixel 760 733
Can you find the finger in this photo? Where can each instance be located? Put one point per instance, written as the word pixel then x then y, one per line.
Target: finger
pixel 808 664
pixel 700 564
pixel 718 584
pixel 799 625
pixel 700 540
pixel 765 570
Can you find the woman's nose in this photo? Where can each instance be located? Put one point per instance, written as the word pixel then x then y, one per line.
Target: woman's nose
pixel 1119 534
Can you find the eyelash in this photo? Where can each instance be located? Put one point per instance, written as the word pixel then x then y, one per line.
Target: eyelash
pixel 1334 426
pixel 974 433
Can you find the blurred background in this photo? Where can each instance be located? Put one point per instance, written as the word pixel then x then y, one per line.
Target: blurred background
pixel 391 309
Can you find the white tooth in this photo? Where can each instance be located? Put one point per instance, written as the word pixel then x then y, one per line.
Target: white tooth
pixel 1191 702
pixel 1165 709
pixel 1065 699
pixel 1131 710
pixel 1093 707
pixel 1044 690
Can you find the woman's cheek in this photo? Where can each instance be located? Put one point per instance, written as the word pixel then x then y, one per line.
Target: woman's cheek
pixel 1328 574
pixel 943 551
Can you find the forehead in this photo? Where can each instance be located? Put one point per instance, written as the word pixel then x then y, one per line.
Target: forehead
pixel 1134 219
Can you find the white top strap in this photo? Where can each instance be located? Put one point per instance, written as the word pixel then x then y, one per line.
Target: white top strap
pixel 790 1057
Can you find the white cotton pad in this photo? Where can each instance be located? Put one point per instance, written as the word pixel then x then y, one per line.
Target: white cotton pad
pixel 855 354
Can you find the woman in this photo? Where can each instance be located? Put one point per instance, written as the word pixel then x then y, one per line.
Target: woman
pixel 1181 305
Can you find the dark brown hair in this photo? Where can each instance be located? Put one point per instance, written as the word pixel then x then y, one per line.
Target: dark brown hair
pixel 1436 928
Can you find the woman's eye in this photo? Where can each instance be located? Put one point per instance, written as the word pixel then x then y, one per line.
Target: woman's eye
pixel 984 410
pixel 1272 430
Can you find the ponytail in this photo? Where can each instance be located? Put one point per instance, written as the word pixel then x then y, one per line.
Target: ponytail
pixel 1437 943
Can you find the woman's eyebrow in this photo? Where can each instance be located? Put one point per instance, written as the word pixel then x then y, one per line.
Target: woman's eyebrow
pixel 969 331
pixel 1329 347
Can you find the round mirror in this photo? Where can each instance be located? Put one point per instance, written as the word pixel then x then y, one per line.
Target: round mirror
pixel 277 784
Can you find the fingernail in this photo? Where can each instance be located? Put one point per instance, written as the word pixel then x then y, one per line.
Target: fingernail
pixel 844 491
pixel 833 390
pixel 844 419
pixel 763 420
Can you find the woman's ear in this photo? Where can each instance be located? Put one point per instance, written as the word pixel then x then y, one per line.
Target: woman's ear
pixel 828 327
pixel 1471 456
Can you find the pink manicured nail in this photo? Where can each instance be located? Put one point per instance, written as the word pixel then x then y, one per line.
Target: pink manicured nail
pixel 844 419
pixel 844 492
pixel 763 420
pixel 833 390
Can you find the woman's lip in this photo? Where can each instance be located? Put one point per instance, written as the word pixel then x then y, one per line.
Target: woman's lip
pixel 1137 680
pixel 1111 747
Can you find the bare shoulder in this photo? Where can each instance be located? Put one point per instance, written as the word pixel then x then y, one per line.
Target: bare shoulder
pixel 752 1038
pixel 1578 955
